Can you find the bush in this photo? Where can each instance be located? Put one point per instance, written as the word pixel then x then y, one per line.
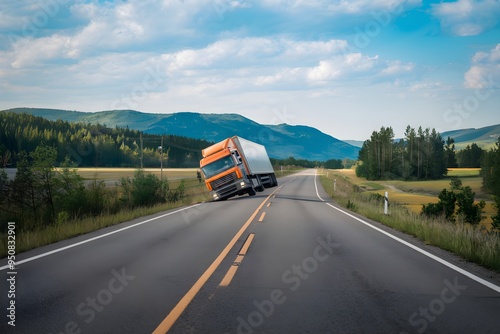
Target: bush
pixel 147 189
pixel 466 206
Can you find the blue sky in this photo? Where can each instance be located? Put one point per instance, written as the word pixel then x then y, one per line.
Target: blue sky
pixel 344 67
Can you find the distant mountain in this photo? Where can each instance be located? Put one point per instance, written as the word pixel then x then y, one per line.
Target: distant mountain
pixel 357 143
pixel 484 137
pixel 281 141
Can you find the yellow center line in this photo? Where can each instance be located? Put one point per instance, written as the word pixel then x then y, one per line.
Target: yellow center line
pixel 246 245
pixel 176 312
pixel 261 219
pixel 229 276
pixel 239 258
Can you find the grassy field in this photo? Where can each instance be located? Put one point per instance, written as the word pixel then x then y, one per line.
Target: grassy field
pixel 412 194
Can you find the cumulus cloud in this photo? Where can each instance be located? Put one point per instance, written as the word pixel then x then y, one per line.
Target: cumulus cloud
pixel 468 17
pixel 485 70
pixel 280 63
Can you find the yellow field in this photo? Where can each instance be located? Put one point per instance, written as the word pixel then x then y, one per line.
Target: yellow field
pixel 413 194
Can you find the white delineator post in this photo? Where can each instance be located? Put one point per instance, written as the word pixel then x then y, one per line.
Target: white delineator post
pixel 386 203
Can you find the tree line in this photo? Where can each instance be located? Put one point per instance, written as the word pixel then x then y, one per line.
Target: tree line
pixel 421 155
pixel 329 164
pixel 94 145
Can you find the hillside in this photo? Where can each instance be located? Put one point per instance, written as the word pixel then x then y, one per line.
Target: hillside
pixel 281 141
pixel 484 137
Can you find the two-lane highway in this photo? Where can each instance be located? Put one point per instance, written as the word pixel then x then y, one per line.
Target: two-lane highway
pixel 285 261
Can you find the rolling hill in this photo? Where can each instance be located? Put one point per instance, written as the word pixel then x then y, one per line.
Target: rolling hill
pixel 484 137
pixel 281 141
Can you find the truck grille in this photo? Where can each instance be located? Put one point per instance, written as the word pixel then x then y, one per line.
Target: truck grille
pixel 225 180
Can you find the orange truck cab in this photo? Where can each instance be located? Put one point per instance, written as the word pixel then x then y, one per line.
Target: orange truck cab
pixel 236 166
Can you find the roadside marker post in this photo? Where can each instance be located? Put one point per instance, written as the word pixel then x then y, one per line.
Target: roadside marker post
pixel 386 203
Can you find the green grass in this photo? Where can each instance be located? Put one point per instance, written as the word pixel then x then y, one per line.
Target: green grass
pixel 412 194
pixel 465 240
pixel 463 172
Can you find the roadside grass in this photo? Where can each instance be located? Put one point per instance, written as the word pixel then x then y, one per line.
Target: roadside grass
pixel 195 192
pixel 413 194
pixel 465 240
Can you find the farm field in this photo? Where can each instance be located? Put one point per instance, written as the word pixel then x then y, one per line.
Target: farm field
pixel 413 194
pixel 118 173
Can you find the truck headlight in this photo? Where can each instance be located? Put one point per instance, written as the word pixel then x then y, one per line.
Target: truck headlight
pixel 242 183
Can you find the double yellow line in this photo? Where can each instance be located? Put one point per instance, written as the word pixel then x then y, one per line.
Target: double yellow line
pixel 176 312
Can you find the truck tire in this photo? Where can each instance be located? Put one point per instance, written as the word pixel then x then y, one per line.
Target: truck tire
pixel 251 192
pixel 260 186
pixel 275 181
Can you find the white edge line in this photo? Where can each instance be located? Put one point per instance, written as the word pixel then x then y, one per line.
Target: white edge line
pixel 432 256
pixel 95 238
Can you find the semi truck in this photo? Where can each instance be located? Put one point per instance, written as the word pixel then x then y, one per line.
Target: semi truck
pixel 236 166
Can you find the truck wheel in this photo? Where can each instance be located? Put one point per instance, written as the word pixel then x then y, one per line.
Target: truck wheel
pixel 260 187
pixel 252 192
pixel 275 181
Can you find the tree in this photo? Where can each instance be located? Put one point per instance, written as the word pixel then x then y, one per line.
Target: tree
pixel 449 153
pixel 490 170
pixel 444 207
pixel 471 212
pixel 455 183
pixel 421 155
pixel 44 158
pixel 495 225
pixel 470 156
pixel 23 193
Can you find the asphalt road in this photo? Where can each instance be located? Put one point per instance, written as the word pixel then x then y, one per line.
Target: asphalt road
pixel 284 261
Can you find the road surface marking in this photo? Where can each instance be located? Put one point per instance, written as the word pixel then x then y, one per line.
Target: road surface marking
pixel 176 312
pixel 246 245
pixel 261 219
pixel 269 204
pixel 421 251
pixel 229 276
pixel 239 258
pixel 95 238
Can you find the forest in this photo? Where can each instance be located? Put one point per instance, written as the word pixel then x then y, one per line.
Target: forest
pixel 422 155
pixel 94 145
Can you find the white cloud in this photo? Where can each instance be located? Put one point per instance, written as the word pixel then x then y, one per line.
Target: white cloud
pixel 485 70
pixel 351 65
pixel 468 17
pixel 28 52
pixel 397 67
pixel 352 7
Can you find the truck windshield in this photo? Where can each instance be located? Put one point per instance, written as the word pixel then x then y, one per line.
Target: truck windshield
pixel 218 166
